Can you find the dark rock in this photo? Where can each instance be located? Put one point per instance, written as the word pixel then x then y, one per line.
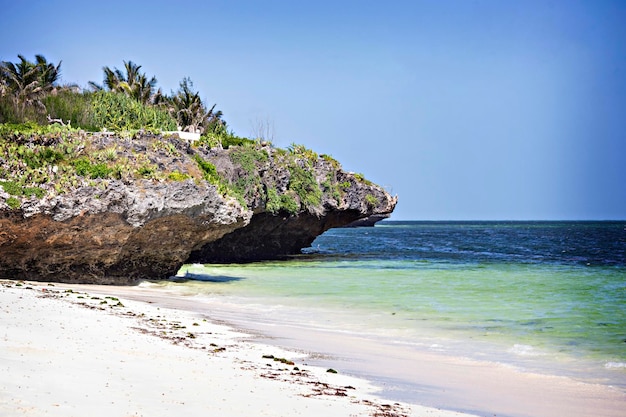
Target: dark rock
pixel 368 221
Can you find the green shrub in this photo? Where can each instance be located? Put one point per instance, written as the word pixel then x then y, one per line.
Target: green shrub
pixel 272 204
pixel 11 187
pixel 212 176
pixel 146 170
pixel 177 176
pixel 230 139
pixel 360 178
pixel 73 106
pixel 302 151
pixel 371 201
pixel 39 156
pixel 13 131
pixel 332 161
pixel 289 204
pixel 304 184
pixel 86 168
pixel 119 112
pixel 247 158
pixel 36 191
pixel 13 203
pixel 15 189
pixel 209 170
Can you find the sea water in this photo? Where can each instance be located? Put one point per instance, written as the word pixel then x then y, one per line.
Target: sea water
pixel 541 296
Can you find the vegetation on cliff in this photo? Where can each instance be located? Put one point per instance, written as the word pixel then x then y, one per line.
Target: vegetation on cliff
pixel 55 139
pixel 95 187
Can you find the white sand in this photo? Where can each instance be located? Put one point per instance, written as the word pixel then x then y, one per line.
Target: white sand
pixel 78 354
pixel 474 386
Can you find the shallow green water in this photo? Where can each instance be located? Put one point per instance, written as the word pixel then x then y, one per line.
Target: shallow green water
pixel 548 296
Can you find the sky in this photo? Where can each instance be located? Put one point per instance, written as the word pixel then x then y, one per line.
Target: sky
pixel 466 109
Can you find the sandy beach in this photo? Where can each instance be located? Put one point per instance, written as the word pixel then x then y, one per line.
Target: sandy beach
pixel 67 352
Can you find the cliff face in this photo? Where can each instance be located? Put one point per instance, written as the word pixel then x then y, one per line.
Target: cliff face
pixel 116 211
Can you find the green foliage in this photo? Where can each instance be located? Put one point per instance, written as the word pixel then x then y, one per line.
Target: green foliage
pixel 289 204
pixel 119 112
pixel 371 201
pixel 11 187
pixel 36 191
pixel 272 204
pixel 177 176
pixel 211 174
pixel 303 183
pixel 72 106
pixel 39 156
pixel 32 130
pixel 209 170
pixel 85 168
pixel 18 190
pixel 330 186
pixel 247 158
pixel 232 140
pixel 146 170
pixel 332 161
pixel 166 146
pixel 13 203
pixel 302 151
pixel 360 178
pixel 211 140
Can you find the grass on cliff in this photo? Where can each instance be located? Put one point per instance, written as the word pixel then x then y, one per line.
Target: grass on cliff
pixel 38 160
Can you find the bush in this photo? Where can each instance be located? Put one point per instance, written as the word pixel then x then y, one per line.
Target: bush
pixel 305 185
pixel 289 204
pixel 118 112
pixel 177 176
pixel 73 106
pixel 13 203
pixel 85 168
pixel 209 170
pixel 371 201
pixel 16 189
pixel 232 140
pixel 272 204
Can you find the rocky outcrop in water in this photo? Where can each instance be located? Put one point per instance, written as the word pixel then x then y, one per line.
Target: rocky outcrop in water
pixel 119 210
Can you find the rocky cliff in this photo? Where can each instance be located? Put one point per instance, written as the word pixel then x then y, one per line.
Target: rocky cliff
pixel 117 210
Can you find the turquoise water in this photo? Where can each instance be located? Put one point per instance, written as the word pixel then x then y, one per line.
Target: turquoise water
pixel 548 296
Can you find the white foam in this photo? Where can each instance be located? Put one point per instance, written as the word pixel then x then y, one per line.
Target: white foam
pixel 524 350
pixel 615 365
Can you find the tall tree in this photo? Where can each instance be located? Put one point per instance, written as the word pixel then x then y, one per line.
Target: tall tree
pixel 49 75
pixel 27 82
pixel 191 113
pixel 132 82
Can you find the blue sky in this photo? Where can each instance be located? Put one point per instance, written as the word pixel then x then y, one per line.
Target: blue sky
pixel 465 109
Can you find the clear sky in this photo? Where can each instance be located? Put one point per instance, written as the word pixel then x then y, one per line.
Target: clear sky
pixel 467 109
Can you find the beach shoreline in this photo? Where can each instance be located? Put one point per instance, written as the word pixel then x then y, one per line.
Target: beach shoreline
pixel 446 381
pixel 68 351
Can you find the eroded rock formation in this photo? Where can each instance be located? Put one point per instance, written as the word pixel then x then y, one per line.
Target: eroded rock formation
pixel 183 204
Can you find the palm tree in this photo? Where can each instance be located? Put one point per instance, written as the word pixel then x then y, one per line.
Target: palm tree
pixel 189 111
pixel 143 89
pixel 49 74
pixel 27 82
pixel 133 83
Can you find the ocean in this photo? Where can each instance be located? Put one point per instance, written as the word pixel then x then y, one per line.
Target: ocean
pixel 546 297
